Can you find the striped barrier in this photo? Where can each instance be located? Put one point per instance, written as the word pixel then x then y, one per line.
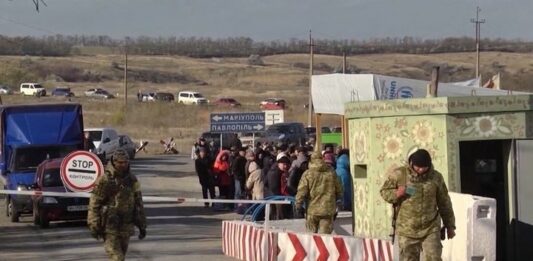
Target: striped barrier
pixel 243 240
pixel 377 250
pixel 298 247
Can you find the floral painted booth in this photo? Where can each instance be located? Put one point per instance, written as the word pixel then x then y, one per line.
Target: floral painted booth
pixel 473 142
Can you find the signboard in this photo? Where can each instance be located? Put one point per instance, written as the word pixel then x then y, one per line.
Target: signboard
pixel 79 171
pixel 237 122
pixel 273 117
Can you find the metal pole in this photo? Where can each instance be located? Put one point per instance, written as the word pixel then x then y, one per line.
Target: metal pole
pixel 266 227
pixel 220 149
pixel 477 23
pixel 253 140
pixel 310 102
pixel 343 62
pixel 125 74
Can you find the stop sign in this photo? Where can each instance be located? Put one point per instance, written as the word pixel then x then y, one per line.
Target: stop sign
pixel 79 171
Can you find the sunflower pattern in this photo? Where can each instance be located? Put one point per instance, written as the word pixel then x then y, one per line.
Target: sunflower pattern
pixel 423 133
pixel 393 146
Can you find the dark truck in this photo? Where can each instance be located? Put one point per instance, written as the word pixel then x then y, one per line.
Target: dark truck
pixel 30 134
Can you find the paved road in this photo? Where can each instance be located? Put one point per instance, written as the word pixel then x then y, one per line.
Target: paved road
pixel 175 232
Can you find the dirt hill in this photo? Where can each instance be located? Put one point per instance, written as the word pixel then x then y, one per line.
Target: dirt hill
pixel 284 76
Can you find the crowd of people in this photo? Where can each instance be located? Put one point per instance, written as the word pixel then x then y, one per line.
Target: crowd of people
pixel 268 170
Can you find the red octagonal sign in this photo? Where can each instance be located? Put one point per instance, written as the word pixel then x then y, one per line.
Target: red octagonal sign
pixel 79 171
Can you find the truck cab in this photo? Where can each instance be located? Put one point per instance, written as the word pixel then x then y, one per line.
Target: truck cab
pixel 30 134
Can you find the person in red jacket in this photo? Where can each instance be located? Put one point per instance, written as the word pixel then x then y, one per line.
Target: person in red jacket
pixel 222 177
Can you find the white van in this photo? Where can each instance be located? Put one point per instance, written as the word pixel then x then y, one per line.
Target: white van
pixel 189 97
pixel 35 89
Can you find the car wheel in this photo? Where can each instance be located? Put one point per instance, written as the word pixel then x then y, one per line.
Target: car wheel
pixel 43 220
pixel 180 102
pixel 13 213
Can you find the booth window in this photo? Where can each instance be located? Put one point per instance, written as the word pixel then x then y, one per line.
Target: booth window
pixel 359 171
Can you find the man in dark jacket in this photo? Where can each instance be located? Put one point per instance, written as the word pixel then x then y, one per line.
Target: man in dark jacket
pixel 238 164
pixel 298 167
pixel 276 183
pixel 268 160
pixel 203 168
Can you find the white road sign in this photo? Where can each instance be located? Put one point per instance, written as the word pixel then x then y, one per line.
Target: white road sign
pixel 79 171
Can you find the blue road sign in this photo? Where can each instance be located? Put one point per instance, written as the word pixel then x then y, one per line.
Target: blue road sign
pixel 237 122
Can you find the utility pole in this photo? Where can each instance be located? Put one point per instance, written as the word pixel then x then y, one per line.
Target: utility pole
pixel 125 74
pixel 310 104
pixel 477 23
pixel 343 62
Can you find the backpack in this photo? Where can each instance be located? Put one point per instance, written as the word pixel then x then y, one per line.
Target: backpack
pixel 294 177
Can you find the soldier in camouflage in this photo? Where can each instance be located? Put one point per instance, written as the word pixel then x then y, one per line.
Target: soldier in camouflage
pixel 320 189
pixel 421 199
pixel 116 206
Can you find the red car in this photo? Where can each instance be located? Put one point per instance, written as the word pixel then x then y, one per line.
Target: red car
pixel 46 208
pixel 227 102
pixel 272 104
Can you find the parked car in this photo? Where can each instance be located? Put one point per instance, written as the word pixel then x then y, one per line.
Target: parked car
pixel 62 91
pixel 122 142
pixel 47 208
pixel 101 136
pixel 227 138
pixel 157 96
pixel 292 132
pixel 311 133
pixel 35 89
pixel 4 89
pixel 99 93
pixel 227 102
pixel 164 96
pixel 190 97
pixel 272 104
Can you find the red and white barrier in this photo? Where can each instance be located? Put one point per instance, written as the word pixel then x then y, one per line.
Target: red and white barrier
pixel 377 250
pixel 297 246
pixel 244 241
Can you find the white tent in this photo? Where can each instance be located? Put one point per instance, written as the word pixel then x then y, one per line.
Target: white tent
pixel 331 91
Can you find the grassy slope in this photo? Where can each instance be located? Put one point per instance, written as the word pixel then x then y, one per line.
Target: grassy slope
pixel 282 76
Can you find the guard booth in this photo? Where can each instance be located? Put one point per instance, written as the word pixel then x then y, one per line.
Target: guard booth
pixel 483 145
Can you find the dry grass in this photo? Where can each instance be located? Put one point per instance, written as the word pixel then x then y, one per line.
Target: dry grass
pixel 249 84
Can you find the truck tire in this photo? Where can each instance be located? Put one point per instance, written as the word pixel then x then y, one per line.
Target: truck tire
pixel 13 213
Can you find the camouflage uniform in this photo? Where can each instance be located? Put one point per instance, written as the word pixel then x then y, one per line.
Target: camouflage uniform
pixel 321 189
pixel 419 216
pixel 115 207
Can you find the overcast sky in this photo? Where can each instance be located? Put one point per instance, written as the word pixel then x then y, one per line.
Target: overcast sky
pixel 269 19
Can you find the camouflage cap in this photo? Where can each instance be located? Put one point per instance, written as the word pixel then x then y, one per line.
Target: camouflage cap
pixel 121 154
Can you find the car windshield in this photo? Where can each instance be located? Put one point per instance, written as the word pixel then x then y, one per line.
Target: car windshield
pixel 62 89
pixel 102 92
pixel 29 158
pixel 38 86
pixel 95 135
pixel 197 95
pixel 51 178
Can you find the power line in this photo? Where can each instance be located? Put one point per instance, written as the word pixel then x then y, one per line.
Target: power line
pixel 28 26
